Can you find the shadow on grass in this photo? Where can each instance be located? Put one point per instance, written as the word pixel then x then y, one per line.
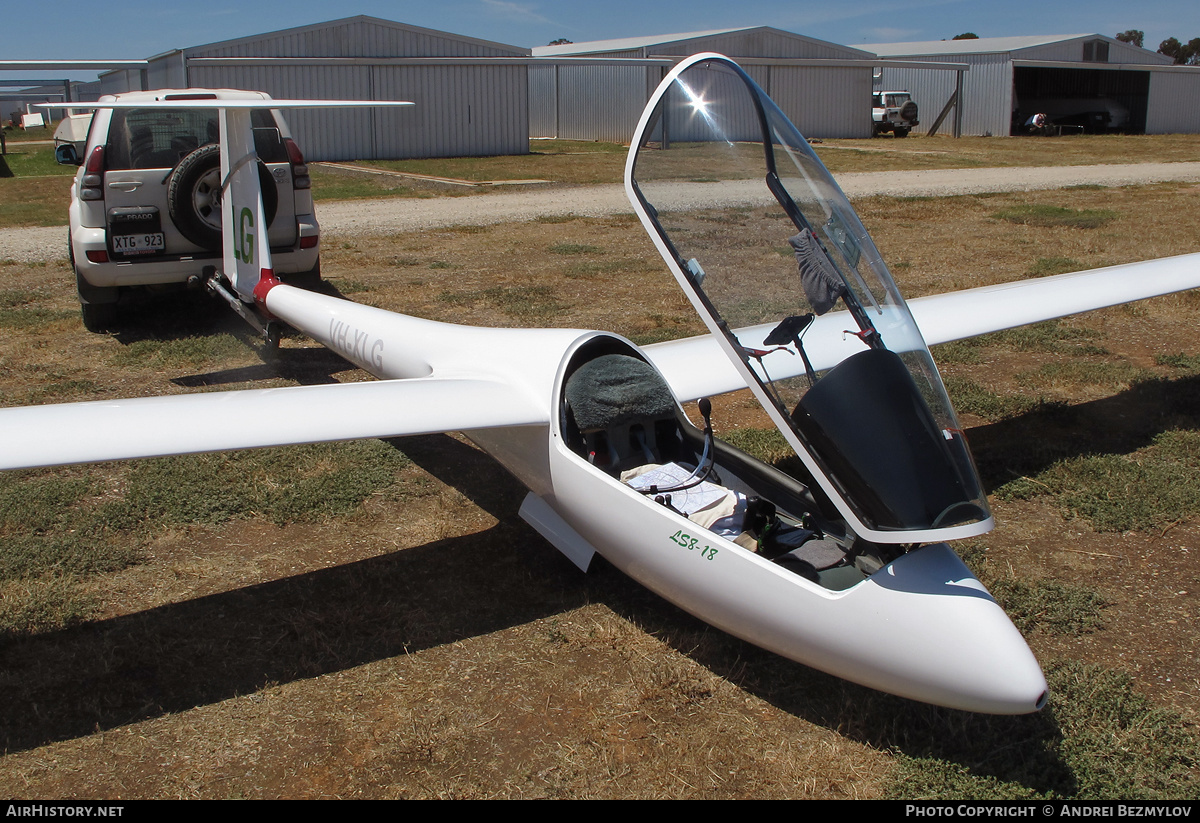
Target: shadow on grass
pixel 115 672
pixel 172 658
pixel 123 670
pixel 1026 444
pixel 308 367
pixel 1098 738
pixel 983 744
pixel 188 325
pixel 184 313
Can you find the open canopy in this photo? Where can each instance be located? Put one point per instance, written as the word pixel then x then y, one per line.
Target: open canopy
pixel 779 266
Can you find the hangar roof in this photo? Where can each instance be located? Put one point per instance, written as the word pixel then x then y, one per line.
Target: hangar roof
pixel 358 36
pixel 992 45
pixel 752 41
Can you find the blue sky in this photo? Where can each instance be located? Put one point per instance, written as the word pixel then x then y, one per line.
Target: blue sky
pixel 142 28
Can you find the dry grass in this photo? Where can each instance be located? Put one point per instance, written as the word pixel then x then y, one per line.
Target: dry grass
pixel 562 161
pixel 43 201
pixel 14 136
pixel 428 644
pixel 580 162
pixel 941 152
pixel 942 244
pixel 581 273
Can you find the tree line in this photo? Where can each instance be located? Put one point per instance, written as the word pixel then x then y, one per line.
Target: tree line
pixel 1184 54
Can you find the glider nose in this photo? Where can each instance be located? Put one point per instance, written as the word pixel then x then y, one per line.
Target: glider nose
pixel 972 656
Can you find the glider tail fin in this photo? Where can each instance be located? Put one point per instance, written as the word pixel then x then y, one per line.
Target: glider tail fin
pixel 245 250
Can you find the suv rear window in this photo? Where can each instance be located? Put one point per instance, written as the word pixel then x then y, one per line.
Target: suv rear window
pixel 160 138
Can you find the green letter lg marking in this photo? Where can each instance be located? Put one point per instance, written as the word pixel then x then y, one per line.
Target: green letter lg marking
pixel 243 249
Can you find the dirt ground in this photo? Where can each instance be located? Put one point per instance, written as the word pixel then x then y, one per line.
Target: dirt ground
pixel 432 645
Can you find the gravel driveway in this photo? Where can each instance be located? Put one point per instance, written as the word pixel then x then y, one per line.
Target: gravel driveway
pixel 366 217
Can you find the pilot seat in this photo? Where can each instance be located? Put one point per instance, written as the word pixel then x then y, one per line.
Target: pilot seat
pixel 623 411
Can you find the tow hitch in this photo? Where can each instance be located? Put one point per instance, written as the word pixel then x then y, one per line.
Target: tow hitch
pixel 270 329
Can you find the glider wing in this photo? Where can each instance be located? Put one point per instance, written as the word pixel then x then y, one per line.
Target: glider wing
pixel 101 430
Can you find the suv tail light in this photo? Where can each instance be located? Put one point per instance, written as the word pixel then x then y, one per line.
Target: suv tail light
pixel 92 185
pixel 300 178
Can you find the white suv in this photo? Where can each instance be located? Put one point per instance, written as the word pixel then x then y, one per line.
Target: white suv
pixel 893 111
pixel 146 202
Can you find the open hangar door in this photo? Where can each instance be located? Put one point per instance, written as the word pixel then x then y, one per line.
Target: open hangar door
pixel 1098 100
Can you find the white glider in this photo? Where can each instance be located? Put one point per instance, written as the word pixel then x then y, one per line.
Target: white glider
pixel 843 565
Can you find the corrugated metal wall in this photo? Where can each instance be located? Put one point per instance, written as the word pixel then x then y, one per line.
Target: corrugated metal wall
pixel 460 110
pixel 823 102
pixel 543 101
pixel 1173 105
pixel 86 91
pixel 605 102
pixel 118 82
pixel 685 123
pixel 168 71
pixel 987 91
pixel 344 134
pixel 600 102
pixel 588 102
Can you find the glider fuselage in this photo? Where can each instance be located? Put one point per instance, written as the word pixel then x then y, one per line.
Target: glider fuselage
pixel 922 627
